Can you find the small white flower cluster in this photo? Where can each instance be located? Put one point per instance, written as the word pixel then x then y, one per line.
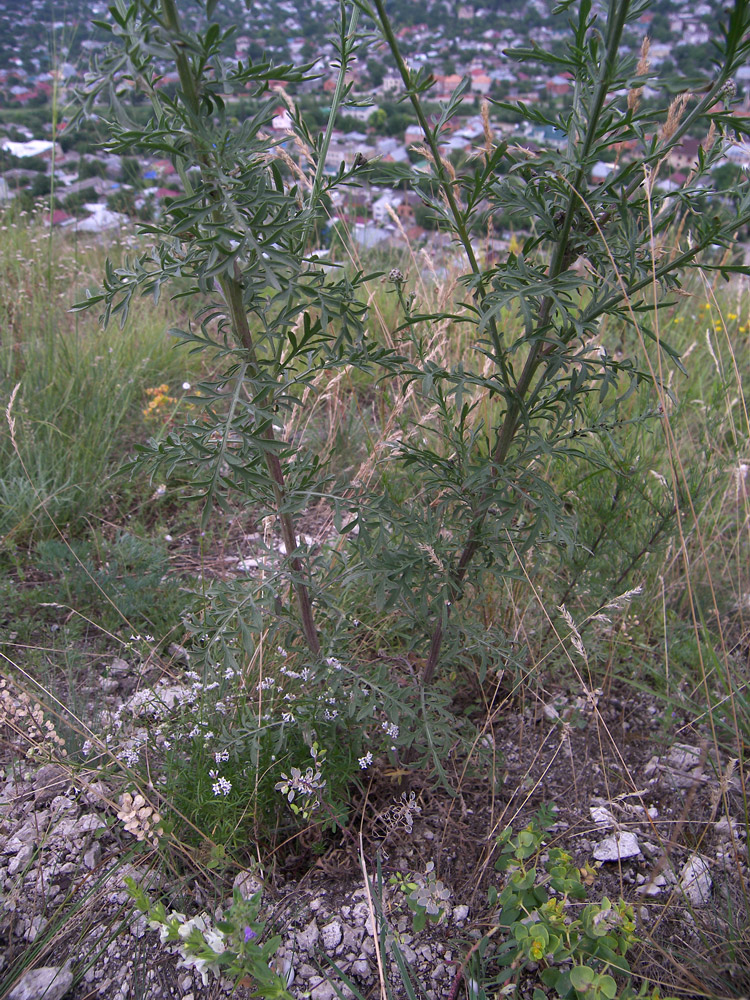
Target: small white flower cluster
pixel 140 818
pixel 301 675
pixel 195 732
pixel 130 755
pixel 185 929
pixel 198 686
pixel 220 786
pixel 364 762
pixel 130 751
pixel 390 729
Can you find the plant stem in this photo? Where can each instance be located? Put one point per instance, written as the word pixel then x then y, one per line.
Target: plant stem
pixel 232 289
pixel 233 293
pixel 444 179
pixel 559 263
pixel 429 135
pixel 335 105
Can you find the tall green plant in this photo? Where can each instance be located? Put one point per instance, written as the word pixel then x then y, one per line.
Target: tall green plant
pixel 535 381
pixel 237 240
pixel 599 254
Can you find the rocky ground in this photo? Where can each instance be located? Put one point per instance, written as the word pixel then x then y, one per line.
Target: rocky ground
pixel 662 825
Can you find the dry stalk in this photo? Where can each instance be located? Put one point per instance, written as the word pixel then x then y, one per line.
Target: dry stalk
pixel 302 146
pixel 293 166
pixel 25 718
pixel 371 908
pixel 489 138
pixel 430 265
pixel 674 117
pixel 11 418
pixel 446 165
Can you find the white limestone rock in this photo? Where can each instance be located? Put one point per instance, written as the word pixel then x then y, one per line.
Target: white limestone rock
pixel 619 847
pixel 696 882
pixel 50 981
pixel 308 937
pixel 332 934
pixel 603 817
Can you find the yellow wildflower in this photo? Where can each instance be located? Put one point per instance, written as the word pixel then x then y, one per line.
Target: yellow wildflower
pixel 159 402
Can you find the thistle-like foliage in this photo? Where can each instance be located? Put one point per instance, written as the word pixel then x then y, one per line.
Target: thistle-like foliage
pixel 538 377
pixel 600 254
pixel 236 240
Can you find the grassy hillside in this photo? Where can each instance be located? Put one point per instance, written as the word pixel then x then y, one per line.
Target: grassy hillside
pixel 102 566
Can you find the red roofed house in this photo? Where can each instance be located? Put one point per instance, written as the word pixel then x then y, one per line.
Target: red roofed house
pixel 481 83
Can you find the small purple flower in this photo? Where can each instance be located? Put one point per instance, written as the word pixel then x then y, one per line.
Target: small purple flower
pixel 249 934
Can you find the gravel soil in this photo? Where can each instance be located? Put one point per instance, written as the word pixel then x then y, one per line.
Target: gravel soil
pixel 661 822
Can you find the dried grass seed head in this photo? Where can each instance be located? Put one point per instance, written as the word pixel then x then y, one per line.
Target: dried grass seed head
pixel 635 94
pixel 674 116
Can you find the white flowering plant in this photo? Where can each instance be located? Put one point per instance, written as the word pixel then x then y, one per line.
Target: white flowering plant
pixel 230 946
pixel 242 728
pixel 307 788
